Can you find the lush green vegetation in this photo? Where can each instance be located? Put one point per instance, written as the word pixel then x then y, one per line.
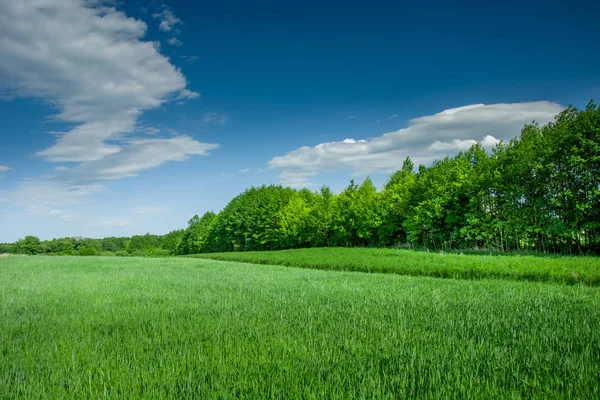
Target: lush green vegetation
pixel 138 245
pixel 93 327
pixel 569 270
pixel 539 192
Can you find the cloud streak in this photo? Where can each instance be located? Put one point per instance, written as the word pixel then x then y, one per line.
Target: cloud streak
pixel 3 169
pixel 139 155
pixel 146 210
pixel 167 19
pixel 41 197
pixel 424 140
pixel 214 118
pixel 174 41
pixel 90 62
pixel 98 73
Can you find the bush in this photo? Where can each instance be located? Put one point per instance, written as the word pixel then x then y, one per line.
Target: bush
pixel 159 253
pixel 122 253
pixel 30 245
pixel 87 251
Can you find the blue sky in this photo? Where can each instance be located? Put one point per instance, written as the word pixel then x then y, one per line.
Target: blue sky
pixel 127 117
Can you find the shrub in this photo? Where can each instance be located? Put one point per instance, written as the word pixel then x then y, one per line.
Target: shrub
pixel 87 251
pixel 122 253
pixel 159 253
pixel 30 245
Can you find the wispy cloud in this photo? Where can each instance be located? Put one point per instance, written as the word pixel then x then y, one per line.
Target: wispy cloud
pixel 186 94
pixel 190 59
pixel 150 130
pixel 174 41
pixel 226 176
pixel 98 73
pixel 90 62
pixel 424 140
pixel 65 216
pixel 145 210
pixel 251 171
pixel 393 116
pixel 3 169
pixel 43 197
pixel 462 145
pixel 114 222
pixel 214 118
pixel 139 155
pixel 167 19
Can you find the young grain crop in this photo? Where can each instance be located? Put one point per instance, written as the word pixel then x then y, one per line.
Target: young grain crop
pixel 186 328
pixel 570 270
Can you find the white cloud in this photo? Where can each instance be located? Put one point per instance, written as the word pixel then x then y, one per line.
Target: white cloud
pixel 424 140
pixel 226 176
pixel 43 197
pixel 3 169
pixel 215 118
pixel 116 222
pixel 455 145
pixel 174 41
pixel 393 116
pixel 149 130
pixel 251 171
pixel 487 142
pixel 64 215
pixel 145 210
pixel 167 19
pixel 91 64
pixel 190 59
pixel 137 156
pixel 187 94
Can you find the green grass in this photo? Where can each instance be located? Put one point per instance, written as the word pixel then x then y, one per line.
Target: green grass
pixel 570 270
pixel 182 328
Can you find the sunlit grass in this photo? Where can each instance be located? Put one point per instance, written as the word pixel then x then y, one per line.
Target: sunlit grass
pixel 569 270
pixel 187 328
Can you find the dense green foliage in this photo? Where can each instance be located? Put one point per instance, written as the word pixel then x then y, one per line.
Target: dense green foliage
pixel 570 270
pixel 29 245
pixel 187 328
pixel 139 245
pixel 539 192
pixel 87 251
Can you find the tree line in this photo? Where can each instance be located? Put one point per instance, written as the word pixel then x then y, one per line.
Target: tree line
pixel 539 192
pixel 139 245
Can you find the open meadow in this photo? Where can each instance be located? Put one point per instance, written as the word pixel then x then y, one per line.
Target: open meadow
pixel 94 327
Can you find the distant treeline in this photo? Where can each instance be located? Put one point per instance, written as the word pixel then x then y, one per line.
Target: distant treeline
pixel 539 192
pixel 140 245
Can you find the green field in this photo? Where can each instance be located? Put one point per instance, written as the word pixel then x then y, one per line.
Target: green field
pixel 570 270
pixel 93 327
